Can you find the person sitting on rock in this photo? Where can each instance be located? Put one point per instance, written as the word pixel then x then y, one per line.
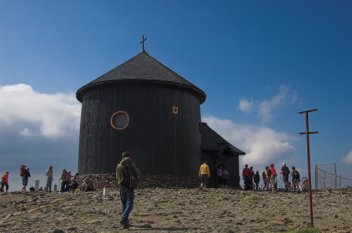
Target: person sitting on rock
pixel 87 185
pixel 304 184
pixel 74 183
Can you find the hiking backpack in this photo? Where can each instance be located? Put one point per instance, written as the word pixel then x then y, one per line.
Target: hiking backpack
pixel 22 170
pixel 129 179
pixel 296 175
pixel 285 171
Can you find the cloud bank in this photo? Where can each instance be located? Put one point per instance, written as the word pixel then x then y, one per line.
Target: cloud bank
pixel 46 115
pixel 262 145
pixel 38 129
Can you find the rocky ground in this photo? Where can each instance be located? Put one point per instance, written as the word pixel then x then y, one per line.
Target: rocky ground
pixel 176 210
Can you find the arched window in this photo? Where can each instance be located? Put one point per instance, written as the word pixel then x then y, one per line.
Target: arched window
pixel 119 120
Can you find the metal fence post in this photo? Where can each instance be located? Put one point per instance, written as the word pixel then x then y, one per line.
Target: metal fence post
pixel 335 174
pixel 316 176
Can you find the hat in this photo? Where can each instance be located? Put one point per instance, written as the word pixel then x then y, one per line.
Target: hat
pixel 125 154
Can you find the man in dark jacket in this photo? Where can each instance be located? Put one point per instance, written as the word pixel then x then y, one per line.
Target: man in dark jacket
pixel 126 191
pixel 285 171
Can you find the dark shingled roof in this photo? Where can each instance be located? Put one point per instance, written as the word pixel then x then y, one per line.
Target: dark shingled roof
pixel 213 142
pixel 141 68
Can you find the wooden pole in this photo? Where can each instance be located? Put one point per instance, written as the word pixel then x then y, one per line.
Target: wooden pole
pixel 308 159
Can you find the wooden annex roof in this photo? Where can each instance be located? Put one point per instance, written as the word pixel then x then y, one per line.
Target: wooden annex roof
pixel 142 68
pixel 213 142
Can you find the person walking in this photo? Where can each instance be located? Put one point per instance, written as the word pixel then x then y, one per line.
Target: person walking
pixel 50 174
pixel 273 177
pixel 204 174
pixel 285 172
pixel 5 181
pixel 25 174
pixel 295 179
pixel 246 175
pixel 267 178
pixel 252 178
pixel 256 179
pixel 127 175
pixel 65 180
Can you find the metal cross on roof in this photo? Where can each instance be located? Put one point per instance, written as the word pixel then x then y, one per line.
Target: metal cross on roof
pixel 142 42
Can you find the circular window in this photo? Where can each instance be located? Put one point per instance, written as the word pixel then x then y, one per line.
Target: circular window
pixel 119 120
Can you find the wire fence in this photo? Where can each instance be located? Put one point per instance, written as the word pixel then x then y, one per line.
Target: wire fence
pixel 334 176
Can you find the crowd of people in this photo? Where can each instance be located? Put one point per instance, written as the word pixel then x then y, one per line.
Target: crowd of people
pixel 68 182
pixel 251 179
pixel 269 177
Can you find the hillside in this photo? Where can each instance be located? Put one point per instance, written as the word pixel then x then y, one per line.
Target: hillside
pixel 176 210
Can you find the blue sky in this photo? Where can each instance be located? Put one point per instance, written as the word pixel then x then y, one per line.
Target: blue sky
pixel 259 62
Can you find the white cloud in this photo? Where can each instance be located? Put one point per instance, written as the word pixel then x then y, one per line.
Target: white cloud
pixel 348 158
pixel 262 145
pixel 26 132
pixel 265 108
pixel 47 115
pixel 245 105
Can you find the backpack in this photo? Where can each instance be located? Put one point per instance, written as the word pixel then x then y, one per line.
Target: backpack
pixel 246 172
pixel 285 171
pixel 22 170
pixel 129 179
pixel 296 175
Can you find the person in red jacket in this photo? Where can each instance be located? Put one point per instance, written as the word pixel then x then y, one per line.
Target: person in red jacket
pixel 5 181
pixel 247 177
pixel 273 177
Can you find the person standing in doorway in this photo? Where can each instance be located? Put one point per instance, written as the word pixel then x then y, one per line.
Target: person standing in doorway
pixel 204 174
pixel 127 175
pixel 219 174
pixel 225 175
